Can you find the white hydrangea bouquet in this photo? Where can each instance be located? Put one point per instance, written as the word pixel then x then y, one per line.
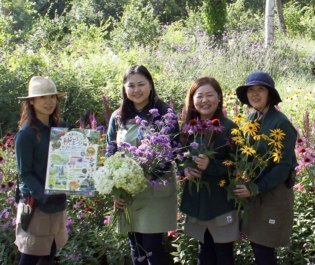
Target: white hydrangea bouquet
pixel 120 176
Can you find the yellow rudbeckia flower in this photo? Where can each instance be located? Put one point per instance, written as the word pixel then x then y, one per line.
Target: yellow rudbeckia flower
pixel 228 163
pixel 277 155
pixel 222 183
pixel 248 150
pixel 238 119
pixel 238 139
pixel 277 134
pixel 251 127
pixel 275 143
pixel 235 131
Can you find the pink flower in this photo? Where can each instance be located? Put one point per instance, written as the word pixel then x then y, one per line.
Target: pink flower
pixel 106 220
pixel 173 233
pixel 303 150
pixel 299 187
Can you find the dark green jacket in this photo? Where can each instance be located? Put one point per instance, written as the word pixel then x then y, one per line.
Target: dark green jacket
pixel 270 211
pixel 204 205
pixel 32 156
pixel 275 174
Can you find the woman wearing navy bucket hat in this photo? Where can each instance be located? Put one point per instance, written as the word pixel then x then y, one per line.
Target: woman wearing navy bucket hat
pixel 270 213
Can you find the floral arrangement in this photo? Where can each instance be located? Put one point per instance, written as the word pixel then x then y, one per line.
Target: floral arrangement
pixel 155 151
pixel 120 176
pixel 247 164
pixel 199 136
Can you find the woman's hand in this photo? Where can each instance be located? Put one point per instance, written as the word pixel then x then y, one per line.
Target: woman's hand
pixel 192 173
pixel 202 161
pixel 241 191
pixel 119 203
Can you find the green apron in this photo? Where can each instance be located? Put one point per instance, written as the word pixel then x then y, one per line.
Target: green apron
pixel 153 210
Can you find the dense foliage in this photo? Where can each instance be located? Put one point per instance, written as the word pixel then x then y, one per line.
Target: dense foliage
pixel 85 46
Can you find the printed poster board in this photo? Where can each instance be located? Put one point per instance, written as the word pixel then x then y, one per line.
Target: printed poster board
pixel 72 161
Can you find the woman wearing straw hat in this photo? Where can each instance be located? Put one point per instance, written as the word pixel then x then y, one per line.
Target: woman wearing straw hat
pixel 39 239
pixel 270 215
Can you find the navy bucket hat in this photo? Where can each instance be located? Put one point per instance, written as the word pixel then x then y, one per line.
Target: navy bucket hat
pixel 258 79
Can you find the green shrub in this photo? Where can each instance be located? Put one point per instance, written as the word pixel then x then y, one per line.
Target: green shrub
pixel 300 19
pixel 216 16
pixel 240 18
pixel 138 26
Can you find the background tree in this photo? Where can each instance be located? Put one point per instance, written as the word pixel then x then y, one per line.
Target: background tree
pixel 269 23
pixel 215 16
pixel 280 16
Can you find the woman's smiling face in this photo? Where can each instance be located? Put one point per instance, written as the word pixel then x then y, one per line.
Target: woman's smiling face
pixel 258 97
pixel 138 89
pixel 206 101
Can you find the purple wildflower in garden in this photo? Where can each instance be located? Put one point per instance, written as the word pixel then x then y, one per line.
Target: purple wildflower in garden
pixel 68 224
pixel 6 225
pixel 107 112
pixel 74 257
pixel 4 214
pixel 11 200
pixel 101 128
pixel 93 121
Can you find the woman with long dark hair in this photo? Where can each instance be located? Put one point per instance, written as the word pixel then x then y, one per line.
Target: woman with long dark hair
pixel 46 232
pixel 153 211
pixel 211 218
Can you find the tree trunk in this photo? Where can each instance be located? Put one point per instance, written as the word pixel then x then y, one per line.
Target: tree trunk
pixel 283 27
pixel 269 23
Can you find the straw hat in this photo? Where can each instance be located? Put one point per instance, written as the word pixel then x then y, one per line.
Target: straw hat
pixel 262 79
pixel 42 86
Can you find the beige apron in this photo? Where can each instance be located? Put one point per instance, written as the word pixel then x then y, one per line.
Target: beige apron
pixel 223 228
pixel 44 228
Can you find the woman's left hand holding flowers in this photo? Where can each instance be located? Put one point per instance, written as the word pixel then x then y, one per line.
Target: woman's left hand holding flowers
pixel 241 191
pixel 202 161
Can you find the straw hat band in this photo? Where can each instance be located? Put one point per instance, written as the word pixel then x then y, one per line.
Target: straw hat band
pixel 42 86
pixel 38 90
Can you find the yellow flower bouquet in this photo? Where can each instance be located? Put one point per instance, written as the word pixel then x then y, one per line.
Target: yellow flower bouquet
pixel 254 152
